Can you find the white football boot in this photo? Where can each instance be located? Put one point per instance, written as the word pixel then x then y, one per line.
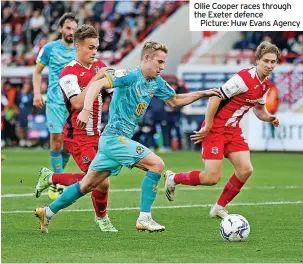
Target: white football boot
pixel 170 185
pixel 146 223
pixel 218 211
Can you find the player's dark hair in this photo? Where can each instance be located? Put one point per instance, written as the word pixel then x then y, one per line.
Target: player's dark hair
pixel 85 31
pixel 68 16
pixel 151 46
pixel 266 47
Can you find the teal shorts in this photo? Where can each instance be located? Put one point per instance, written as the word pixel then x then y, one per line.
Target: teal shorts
pixel 115 152
pixel 56 115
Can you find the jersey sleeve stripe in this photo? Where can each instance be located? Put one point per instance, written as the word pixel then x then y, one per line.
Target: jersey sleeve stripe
pixel 38 62
pixel 226 97
pixel 72 96
pixel 109 80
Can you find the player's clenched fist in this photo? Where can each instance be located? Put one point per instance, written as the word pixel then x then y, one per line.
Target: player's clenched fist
pixel 82 118
pixel 38 101
pixel 274 120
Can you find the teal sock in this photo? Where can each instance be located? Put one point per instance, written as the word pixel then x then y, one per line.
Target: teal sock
pixel 70 194
pixel 65 158
pixel 149 190
pixel 56 160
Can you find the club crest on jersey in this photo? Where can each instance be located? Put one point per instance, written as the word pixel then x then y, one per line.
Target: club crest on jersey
pixel 139 149
pixel 96 68
pixel 86 159
pixel 151 94
pixel 214 150
pixel 140 108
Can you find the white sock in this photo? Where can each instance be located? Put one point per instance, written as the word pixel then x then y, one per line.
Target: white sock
pixel 48 212
pixel 50 179
pixel 172 180
pixel 144 214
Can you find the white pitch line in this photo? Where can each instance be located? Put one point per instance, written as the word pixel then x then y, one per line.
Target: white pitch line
pixel 166 207
pixel 12 195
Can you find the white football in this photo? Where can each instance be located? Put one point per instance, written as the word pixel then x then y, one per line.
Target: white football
pixel 234 228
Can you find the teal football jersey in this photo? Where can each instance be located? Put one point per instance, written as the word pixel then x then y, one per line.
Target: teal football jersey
pixel 56 56
pixel 132 95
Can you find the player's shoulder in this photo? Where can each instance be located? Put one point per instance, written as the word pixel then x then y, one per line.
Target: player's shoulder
pixel 247 73
pixel 160 81
pixel 71 68
pixel 129 75
pixel 49 46
pixel 98 63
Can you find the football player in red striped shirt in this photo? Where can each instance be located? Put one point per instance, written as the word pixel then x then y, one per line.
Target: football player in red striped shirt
pixel 81 143
pixel 221 135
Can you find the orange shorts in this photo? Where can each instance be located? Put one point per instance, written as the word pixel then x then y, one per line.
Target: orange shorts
pixel 217 145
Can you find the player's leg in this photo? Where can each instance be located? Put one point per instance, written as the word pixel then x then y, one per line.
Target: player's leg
pixel 154 166
pixel 130 153
pixel 100 199
pixel 237 151
pixel 212 155
pixel 56 116
pixel 55 127
pixel 72 193
pixel 48 178
pixel 243 170
pixel 83 152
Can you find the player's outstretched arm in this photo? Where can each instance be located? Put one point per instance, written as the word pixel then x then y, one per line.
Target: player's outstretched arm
pixel 262 114
pixel 212 108
pixel 38 100
pixel 91 94
pixel 188 98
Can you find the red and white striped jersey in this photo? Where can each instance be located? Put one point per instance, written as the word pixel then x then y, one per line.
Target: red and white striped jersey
pixel 242 91
pixel 73 79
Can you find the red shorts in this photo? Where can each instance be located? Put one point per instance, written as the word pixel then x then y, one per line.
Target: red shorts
pixel 83 149
pixel 216 145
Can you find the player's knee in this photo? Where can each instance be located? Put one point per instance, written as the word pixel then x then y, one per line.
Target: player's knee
pixel 159 166
pixel 88 186
pixel 245 172
pixel 56 146
pixel 213 177
pixel 104 186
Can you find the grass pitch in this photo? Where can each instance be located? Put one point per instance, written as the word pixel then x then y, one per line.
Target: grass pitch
pixel 272 202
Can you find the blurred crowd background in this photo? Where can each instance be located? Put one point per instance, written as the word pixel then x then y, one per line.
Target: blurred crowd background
pixel 26 26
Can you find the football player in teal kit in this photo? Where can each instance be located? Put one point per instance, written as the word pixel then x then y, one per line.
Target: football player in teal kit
pixel 56 55
pixel 134 90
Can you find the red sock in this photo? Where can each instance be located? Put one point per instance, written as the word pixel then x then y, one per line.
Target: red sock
pixel 100 202
pixel 67 178
pixel 188 178
pixel 231 189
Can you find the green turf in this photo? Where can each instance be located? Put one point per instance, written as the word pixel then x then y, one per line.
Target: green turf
pixel 276 230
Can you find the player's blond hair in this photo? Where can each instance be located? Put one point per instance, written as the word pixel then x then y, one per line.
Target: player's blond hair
pixel 85 31
pixel 152 46
pixel 266 47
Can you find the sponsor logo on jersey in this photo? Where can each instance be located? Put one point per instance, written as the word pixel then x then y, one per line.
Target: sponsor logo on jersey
pixel 252 101
pixel 82 74
pixel 120 73
pixel 140 108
